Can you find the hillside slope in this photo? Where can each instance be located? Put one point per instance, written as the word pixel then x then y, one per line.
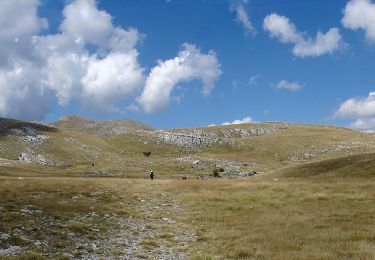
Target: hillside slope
pixel 77 123
pixel 77 146
pixel 359 165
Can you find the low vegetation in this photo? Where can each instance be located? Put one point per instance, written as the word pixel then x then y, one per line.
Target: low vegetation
pixel 313 197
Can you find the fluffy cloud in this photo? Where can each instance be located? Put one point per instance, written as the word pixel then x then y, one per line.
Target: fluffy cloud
pixel 245 120
pixel 90 61
pixel 84 21
pixel 362 110
pixel 365 124
pixel 284 84
pixel 189 64
pixel 19 94
pixel 242 17
pixel 281 28
pixel 240 121
pixel 38 69
pixel 111 79
pixel 357 107
pixel 360 14
pixel 18 23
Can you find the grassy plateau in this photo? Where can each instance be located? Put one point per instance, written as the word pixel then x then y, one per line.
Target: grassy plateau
pixel 313 196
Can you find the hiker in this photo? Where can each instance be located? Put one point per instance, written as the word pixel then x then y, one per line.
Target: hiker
pixel 151 175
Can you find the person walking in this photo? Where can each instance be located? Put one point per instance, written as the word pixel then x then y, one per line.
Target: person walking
pixel 151 175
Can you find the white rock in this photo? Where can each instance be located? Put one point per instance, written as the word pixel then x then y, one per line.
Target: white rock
pixel 10 250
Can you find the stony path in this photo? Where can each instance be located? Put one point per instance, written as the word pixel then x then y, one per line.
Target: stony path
pixel 156 236
pixel 152 231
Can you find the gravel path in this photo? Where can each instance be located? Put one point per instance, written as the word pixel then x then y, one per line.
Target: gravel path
pixel 156 236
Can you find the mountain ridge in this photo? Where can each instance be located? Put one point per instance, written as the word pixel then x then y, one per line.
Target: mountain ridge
pixel 106 127
pixel 119 147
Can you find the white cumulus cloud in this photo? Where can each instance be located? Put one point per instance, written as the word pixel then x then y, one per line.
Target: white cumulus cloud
pixel 84 21
pixel 284 84
pixel 360 14
pixel 36 69
pixel 21 93
pixel 111 79
pixel 18 23
pixel 239 121
pixel 365 124
pixel 281 28
pixel 89 60
pixel 189 64
pixel 357 107
pixel 361 110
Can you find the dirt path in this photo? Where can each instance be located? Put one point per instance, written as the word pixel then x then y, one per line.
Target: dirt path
pixel 90 219
pixel 157 235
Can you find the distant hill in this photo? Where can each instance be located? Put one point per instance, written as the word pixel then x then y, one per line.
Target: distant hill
pixel 7 125
pixel 77 123
pixel 359 165
pixel 129 148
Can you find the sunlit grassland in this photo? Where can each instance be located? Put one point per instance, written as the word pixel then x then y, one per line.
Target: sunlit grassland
pixel 122 155
pixel 281 219
pixel 322 208
pixel 264 217
pixel 56 210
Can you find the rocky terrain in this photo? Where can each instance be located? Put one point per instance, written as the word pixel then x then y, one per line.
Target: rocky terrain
pixel 127 238
pixel 115 148
pixel 346 148
pixel 86 183
pixel 228 169
pixel 193 139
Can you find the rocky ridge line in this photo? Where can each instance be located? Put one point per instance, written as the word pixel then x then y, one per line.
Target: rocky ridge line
pixel 193 139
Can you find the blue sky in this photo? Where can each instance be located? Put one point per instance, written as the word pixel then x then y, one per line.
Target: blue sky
pixel 220 61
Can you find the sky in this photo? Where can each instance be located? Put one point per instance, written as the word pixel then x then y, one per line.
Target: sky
pixel 177 63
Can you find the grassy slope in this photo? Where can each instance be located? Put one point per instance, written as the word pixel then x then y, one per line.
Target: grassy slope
pixel 122 155
pixel 282 214
pixel 354 166
pixel 265 217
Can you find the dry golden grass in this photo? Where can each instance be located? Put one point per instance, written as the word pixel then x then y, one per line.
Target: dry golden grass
pixel 263 217
pixel 283 219
pixel 122 155
pixel 317 209
pixel 47 209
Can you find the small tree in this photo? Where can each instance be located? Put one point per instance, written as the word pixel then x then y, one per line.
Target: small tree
pixel 215 173
pixel 147 154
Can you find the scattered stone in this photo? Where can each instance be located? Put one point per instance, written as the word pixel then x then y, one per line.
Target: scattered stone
pixel 189 139
pixel 337 147
pixel 196 138
pixel 169 221
pixel 24 158
pixel 233 169
pixel 10 250
pixel 4 236
pixel 90 149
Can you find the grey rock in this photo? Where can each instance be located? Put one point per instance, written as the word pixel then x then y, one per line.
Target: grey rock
pixel 10 250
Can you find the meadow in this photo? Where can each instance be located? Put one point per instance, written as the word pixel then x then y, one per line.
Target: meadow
pixel 313 196
pixel 262 217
